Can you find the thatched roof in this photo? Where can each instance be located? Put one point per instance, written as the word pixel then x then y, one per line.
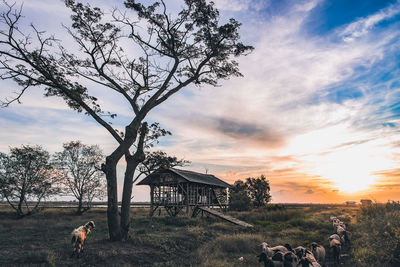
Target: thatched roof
pixel 189 176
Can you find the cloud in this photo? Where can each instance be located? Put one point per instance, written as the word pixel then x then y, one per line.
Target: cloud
pixel 241 5
pixel 309 192
pixel 362 26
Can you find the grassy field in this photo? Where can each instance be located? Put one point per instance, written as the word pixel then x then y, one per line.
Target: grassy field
pixel 377 236
pixel 43 239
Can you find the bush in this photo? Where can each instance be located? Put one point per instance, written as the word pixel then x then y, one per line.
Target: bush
pixel 377 235
pixel 239 201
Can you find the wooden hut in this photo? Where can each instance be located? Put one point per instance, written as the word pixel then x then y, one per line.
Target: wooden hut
pixel 181 190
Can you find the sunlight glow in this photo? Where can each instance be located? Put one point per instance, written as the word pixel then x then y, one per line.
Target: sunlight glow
pixel 333 154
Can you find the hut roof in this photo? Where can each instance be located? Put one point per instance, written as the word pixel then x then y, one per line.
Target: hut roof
pixel 190 176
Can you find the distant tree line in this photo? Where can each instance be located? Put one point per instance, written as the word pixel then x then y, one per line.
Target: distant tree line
pixel 253 192
pixel 29 174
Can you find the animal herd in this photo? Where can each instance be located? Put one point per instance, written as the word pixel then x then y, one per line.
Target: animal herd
pixel 277 256
pixel 286 256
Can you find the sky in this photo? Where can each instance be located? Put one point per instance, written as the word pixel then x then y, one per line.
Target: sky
pixel 317 110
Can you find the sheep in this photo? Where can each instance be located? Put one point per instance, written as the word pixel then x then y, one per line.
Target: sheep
pixel 319 253
pixel 347 237
pixel 341 232
pixel 279 259
pixel 300 251
pixel 336 237
pixel 290 259
pixel 336 224
pixel 336 247
pixel 79 235
pixel 288 246
pixel 272 250
pixel 309 261
pixel 263 257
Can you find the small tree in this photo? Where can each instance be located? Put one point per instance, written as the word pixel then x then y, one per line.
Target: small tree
pixel 80 165
pixel 238 197
pixel 27 174
pixel 258 190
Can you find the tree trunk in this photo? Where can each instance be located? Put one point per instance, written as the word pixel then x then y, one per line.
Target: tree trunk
pixel 21 200
pixel 110 169
pixel 79 211
pixel 131 165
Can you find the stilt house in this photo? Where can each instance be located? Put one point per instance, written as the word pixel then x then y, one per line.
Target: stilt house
pixel 185 191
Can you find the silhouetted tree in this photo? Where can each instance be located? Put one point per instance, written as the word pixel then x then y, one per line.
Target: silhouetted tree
pixel 258 190
pixel 82 177
pixel 172 51
pixel 238 197
pixel 26 174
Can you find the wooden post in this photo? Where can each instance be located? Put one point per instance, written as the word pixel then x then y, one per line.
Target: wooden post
pixel 151 199
pixel 209 198
pixel 187 199
pixel 197 195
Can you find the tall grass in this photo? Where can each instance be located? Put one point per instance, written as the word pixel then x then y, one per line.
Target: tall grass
pixel 377 235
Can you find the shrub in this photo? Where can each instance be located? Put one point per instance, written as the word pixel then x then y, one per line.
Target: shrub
pixel 239 201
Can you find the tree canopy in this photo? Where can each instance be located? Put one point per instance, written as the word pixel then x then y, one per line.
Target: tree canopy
pixel 82 177
pixel 253 192
pixel 26 174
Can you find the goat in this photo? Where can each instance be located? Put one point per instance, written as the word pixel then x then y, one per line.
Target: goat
pixel 319 253
pixel 79 235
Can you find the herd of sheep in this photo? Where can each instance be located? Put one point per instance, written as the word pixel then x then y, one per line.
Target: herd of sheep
pixel 286 256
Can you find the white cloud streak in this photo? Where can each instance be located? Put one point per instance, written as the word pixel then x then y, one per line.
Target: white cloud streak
pixel 363 26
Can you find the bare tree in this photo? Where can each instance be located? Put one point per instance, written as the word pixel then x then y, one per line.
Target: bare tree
pixel 26 174
pixel 82 177
pixel 172 51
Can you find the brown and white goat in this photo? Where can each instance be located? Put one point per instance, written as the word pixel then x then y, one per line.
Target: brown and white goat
pixel 78 237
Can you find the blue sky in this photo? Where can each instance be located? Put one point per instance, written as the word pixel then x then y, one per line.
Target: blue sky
pixel 317 110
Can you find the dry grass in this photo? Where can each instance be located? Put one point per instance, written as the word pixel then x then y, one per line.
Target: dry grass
pixel 44 238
